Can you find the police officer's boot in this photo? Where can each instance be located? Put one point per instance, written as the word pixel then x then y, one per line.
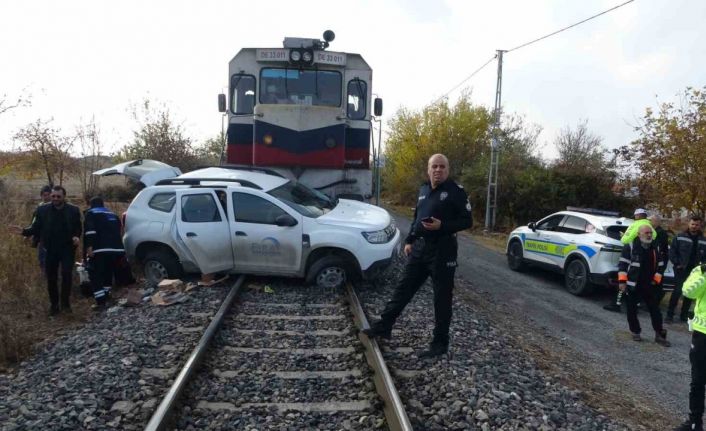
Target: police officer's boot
pixel 379 329
pixel 690 426
pixel 434 350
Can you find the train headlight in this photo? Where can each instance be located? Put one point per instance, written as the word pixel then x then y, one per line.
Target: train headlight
pixel 330 142
pixel 267 140
pixel 295 55
pixel 306 56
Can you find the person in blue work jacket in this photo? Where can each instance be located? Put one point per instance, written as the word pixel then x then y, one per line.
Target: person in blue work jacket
pixel 442 210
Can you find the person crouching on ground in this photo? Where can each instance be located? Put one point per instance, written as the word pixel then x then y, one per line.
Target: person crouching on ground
pixel 639 274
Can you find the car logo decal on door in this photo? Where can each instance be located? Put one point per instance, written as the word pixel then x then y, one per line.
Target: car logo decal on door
pixel 267 247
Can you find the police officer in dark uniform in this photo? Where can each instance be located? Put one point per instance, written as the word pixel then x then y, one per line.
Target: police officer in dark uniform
pixel 442 210
pixel 103 244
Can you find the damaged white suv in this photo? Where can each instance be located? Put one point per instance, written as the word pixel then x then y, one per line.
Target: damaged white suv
pixel 250 221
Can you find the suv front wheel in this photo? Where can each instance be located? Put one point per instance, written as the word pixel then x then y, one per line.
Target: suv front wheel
pixel 330 272
pixel 159 265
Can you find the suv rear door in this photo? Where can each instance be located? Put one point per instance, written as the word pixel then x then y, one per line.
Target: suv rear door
pixel 203 228
pixel 259 244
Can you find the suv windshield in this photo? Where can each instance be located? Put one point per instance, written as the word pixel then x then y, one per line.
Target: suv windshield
pixel 306 201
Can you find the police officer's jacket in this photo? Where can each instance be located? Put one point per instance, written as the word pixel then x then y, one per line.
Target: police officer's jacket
pixel 449 203
pixel 695 288
pixel 102 231
pixel 681 249
pixel 629 266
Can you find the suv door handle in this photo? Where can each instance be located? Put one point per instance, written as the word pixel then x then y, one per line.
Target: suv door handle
pixel 191 234
pixel 240 233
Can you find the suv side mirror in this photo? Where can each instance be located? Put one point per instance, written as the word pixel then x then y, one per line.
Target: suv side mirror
pixel 377 109
pixel 285 220
pixel 221 102
pixel 532 226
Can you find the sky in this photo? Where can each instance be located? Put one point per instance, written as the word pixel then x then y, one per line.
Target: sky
pixel 79 60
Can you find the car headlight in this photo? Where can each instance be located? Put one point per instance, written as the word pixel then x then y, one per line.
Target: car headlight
pixel 381 236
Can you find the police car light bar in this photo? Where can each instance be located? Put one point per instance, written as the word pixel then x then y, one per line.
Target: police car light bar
pixel 594 211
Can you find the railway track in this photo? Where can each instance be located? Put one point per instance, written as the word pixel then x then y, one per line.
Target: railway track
pixel 291 359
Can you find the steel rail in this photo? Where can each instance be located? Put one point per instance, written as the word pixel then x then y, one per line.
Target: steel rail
pixel 394 410
pixel 162 415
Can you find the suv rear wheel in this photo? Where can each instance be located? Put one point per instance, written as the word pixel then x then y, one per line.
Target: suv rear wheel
pixel 330 272
pixel 576 278
pixel 158 265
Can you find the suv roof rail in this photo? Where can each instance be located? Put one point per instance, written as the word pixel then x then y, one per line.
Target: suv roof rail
pixel 594 211
pixel 245 168
pixel 197 182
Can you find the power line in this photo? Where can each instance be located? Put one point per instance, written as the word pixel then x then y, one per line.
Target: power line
pixel 466 78
pixel 529 43
pixel 571 26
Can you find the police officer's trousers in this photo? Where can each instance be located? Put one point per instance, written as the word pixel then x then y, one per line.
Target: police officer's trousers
pixel 697 357
pixel 434 259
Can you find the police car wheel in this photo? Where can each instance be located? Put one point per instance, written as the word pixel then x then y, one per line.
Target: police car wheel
pixel 330 272
pixel 515 258
pixel 159 265
pixel 576 278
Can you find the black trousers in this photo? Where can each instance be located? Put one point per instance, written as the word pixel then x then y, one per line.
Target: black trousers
pixel 649 296
pixel 697 357
pixel 435 259
pixel 106 267
pixel 55 259
pixel 680 277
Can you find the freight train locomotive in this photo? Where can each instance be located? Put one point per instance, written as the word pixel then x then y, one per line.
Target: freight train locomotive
pixel 304 112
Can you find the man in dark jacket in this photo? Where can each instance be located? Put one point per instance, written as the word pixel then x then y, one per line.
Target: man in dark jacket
pixel 58 227
pixel 640 273
pixel 662 242
pixel 442 210
pixel 688 250
pixel 103 245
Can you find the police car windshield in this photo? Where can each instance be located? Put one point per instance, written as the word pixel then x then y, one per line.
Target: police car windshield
pixel 305 200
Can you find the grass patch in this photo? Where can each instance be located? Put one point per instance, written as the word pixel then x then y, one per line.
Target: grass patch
pixel 24 300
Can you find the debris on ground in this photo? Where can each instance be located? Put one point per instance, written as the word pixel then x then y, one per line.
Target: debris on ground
pixel 171 285
pixel 165 297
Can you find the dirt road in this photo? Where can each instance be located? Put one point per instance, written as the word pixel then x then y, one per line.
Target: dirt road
pixel 569 323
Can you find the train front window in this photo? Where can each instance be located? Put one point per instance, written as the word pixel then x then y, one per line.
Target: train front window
pixel 357 93
pixel 300 87
pixel 242 99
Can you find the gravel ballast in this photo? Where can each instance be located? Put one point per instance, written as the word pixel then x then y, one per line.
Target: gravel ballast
pixel 112 373
pixel 102 376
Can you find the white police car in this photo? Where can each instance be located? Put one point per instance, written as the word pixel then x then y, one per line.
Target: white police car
pixel 584 245
pixel 251 221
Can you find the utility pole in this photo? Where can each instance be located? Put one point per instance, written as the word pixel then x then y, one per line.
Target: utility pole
pixel 492 201
pixel 379 165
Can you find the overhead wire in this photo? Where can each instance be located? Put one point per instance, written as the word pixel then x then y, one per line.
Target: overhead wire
pixel 571 26
pixel 530 43
pixel 466 78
